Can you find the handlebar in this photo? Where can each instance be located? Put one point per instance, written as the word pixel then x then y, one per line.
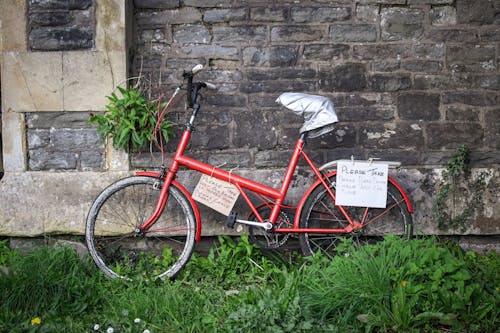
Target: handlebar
pixel 193 88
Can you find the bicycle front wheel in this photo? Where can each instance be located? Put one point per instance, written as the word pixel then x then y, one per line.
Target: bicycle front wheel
pixel 120 250
pixel 320 212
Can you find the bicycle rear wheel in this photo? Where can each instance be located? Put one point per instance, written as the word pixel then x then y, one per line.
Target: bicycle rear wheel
pixel 320 212
pixel 120 250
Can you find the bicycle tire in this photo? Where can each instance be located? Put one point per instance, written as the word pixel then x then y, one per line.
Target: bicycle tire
pixel 116 214
pixel 320 212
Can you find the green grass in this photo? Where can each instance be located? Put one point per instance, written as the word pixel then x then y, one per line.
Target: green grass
pixel 420 285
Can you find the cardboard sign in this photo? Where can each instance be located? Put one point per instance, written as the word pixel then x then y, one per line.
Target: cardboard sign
pixel 216 194
pixel 361 184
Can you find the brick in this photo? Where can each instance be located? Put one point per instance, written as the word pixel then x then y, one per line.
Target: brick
pixel 230 160
pixel 383 82
pixel 281 73
pixel 296 33
pixel 353 33
pixel 347 77
pixel 320 14
pixel 391 136
pixel 278 87
pixel 60 39
pixel 191 34
pixel 272 159
pixel 225 15
pixel 270 14
pixel 245 132
pixel 471 58
pixel 452 135
pixel 489 82
pixel 430 2
pixel 343 136
pixel 325 52
pixel 428 51
pixel 225 100
pixel 401 23
pixel 386 65
pixel 274 56
pixel 418 106
pixel 382 2
pixel 239 34
pixel 218 138
pixel 38 120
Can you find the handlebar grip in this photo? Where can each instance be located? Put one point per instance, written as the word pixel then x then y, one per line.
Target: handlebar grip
pixel 197 69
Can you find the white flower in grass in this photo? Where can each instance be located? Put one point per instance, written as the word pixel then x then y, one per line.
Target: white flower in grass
pixel 110 330
pixel 96 327
pixel 137 320
pixel 146 331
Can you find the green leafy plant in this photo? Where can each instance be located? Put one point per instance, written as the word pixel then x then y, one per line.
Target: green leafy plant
pixel 130 120
pixel 458 189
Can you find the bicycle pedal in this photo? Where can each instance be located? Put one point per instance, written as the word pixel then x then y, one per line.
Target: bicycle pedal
pixel 231 219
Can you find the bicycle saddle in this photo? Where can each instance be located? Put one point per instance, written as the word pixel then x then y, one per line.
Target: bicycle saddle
pixel 318 112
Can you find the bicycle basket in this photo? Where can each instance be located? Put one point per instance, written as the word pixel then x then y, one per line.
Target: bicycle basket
pixel 318 112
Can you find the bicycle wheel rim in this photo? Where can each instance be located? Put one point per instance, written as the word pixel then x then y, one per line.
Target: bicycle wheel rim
pixel 120 251
pixel 320 212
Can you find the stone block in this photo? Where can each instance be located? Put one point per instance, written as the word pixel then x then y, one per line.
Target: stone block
pixel 58 4
pixel 236 159
pixel 41 159
pixel 365 113
pixel 325 52
pixel 214 51
pixel 35 81
pixel 430 2
pixel 343 136
pixel 219 138
pixel 269 14
pixel 443 16
pixel 491 34
pixel 452 135
pixel 443 82
pixel 471 58
pixel 386 65
pixel 347 77
pixel 381 51
pixel 423 66
pixel 13 142
pixel 489 81
pixel 382 2
pixel 88 77
pixel 353 33
pixel 277 87
pixel 428 51
pixel 47 19
pixel 418 106
pixel 155 19
pixel 401 24
pixel 462 113
pixel 476 12
pixel 246 135
pixel 13 26
pixel 272 158
pixel 91 160
pixel 367 13
pixel 224 15
pixel 452 35
pixel 156 4
pixel 292 33
pixel 60 39
pixel 274 56
pixel 392 136
pixel 74 139
pixel 470 98
pixel 280 74
pixel 239 34
pixel 37 120
pixel 196 34
pixel 38 138
pixel 383 82
pixel 320 14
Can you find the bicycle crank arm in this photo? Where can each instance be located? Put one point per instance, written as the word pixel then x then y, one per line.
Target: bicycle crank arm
pixel 265 225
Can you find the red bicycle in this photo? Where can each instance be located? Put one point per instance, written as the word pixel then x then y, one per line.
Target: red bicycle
pixel 149 223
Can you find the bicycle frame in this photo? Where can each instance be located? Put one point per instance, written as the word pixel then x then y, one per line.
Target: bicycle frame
pixel 242 183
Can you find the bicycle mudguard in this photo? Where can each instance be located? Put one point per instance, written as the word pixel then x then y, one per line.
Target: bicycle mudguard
pixel 188 196
pixel 333 173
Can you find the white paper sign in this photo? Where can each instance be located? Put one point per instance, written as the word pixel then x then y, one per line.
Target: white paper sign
pixel 361 184
pixel 216 194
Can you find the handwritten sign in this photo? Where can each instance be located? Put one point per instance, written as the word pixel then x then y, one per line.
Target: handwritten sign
pixel 216 194
pixel 361 184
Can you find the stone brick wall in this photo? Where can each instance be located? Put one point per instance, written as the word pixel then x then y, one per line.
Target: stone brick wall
pixel 56 25
pixel 411 79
